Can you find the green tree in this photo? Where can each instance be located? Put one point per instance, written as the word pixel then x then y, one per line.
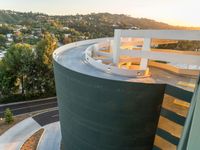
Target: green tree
pixel 45 49
pixel 5 29
pixel 2 40
pixel 8 115
pixel 28 71
pixel 182 45
pixel 44 66
pixel 15 69
pixel 7 80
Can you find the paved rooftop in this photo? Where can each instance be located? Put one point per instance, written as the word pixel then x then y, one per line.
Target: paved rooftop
pixel 74 59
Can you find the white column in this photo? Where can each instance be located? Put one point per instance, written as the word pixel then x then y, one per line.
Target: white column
pixel 146 47
pixel 116 46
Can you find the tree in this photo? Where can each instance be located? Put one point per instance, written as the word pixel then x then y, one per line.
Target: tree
pixel 15 69
pixel 28 71
pixel 8 115
pixel 182 45
pixel 5 29
pixel 7 80
pixel 44 51
pixel 2 40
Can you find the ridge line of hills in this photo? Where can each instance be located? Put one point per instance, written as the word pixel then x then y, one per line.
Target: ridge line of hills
pixel 94 19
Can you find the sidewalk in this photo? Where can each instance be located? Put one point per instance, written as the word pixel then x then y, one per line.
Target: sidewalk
pixel 51 137
pixel 14 138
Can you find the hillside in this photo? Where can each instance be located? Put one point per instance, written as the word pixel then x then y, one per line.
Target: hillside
pixel 90 20
pixel 94 25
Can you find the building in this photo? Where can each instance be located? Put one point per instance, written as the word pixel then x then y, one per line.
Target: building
pixel 9 37
pixel 111 97
pixel 2 54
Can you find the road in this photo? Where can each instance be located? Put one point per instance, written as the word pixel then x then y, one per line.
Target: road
pixel 29 106
pixel 47 117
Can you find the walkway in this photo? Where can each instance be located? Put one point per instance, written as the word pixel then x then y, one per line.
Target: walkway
pixel 51 137
pixel 14 138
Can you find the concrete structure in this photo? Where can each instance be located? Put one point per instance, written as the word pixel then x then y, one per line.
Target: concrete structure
pixel 105 105
pixel 146 54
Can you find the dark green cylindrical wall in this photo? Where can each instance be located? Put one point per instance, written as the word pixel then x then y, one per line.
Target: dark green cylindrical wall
pixel 101 114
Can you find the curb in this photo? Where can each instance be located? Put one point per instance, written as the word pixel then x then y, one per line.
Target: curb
pixel 40 139
pixel 44 111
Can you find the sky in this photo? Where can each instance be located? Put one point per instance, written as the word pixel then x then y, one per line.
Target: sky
pixel 175 12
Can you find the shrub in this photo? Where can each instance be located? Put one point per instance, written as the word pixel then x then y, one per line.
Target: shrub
pixel 8 115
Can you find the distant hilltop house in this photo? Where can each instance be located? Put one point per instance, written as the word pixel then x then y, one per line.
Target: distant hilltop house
pixel 67 35
pixel 19 27
pixel 135 28
pixel 2 54
pixel 65 28
pixel 9 37
pixel 115 25
pixel 36 31
pixel 17 32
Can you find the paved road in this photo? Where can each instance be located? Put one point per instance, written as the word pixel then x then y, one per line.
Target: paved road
pixel 29 106
pixel 47 118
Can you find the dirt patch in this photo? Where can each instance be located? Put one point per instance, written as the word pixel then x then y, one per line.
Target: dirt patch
pixel 4 126
pixel 32 142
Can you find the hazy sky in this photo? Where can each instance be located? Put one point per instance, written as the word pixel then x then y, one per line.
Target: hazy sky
pixel 176 12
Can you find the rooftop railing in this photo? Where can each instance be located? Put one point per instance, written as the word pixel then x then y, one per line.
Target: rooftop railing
pixel 145 54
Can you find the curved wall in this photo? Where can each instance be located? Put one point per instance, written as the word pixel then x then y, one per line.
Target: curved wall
pixel 102 114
